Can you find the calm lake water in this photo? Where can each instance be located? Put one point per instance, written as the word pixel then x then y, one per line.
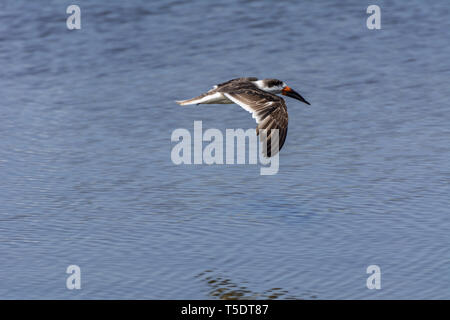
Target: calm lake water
pixel 86 118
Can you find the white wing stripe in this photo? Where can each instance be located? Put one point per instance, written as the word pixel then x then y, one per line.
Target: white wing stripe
pixel 244 106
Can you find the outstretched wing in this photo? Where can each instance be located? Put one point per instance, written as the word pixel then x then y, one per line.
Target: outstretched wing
pixel 236 80
pixel 268 110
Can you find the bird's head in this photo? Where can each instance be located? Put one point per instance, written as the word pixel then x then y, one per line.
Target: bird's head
pixel 276 86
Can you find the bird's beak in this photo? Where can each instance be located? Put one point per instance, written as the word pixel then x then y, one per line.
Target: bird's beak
pixel 293 94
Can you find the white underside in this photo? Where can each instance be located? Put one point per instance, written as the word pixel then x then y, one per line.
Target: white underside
pixel 215 98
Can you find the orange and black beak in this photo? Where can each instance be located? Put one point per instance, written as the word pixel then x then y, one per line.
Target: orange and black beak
pixel 293 94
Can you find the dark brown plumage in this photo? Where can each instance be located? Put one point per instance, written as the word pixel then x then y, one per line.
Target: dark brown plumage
pixel 269 111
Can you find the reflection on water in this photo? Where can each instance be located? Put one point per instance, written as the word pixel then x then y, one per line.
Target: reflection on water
pixel 225 289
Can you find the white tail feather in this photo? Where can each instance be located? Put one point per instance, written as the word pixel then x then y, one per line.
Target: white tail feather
pixel 208 99
pixel 184 102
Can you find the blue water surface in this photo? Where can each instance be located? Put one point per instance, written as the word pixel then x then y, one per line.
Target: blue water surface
pixel 86 177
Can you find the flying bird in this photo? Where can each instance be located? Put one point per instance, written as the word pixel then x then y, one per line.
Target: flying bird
pixel 259 97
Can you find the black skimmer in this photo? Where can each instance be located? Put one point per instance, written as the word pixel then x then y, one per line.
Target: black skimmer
pixel 257 97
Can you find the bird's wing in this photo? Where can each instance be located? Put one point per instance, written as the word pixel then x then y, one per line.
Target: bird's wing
pixel 233 82
pixel 268 110
pixel 236 80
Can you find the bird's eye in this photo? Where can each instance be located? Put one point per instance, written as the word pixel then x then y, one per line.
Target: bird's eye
pixel 275 83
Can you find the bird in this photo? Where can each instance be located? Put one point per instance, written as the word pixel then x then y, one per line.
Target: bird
pixel 259 97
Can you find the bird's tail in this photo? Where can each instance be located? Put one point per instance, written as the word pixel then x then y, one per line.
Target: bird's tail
pixel 196 100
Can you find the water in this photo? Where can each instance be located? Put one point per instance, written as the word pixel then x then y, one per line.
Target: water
pixel 87 179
